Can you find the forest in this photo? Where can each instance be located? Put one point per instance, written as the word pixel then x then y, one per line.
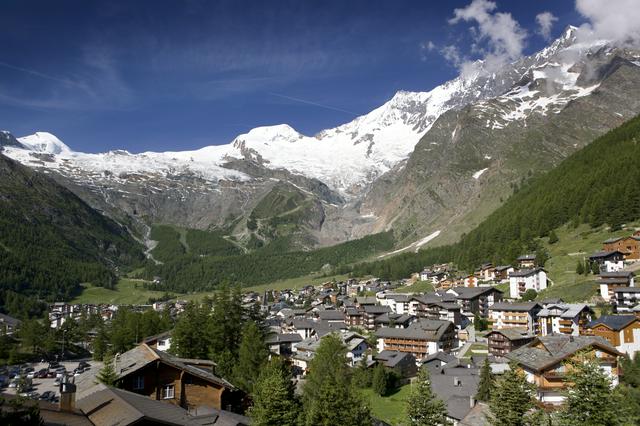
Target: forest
pixel 51 241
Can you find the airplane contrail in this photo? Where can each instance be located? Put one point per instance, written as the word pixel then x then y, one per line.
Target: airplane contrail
pixel 304 101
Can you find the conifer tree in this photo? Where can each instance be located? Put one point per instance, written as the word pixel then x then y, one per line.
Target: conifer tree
pixel 328 397
pixel 423 406
pixel 553 238
pixel 274 403
pixel 107 375
pixel 379 380
pixel 252 356
pixel 595 268
pixel 487 383
pixel 589 397
pixel 189 339
pixel 512 399
pixel 579 268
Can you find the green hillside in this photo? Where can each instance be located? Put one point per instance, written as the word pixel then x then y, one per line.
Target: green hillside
pixel 51 241
pixel 598 185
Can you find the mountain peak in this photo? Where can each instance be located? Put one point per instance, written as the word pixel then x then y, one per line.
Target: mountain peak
pixel 45 142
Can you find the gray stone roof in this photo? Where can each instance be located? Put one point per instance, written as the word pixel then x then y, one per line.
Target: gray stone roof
pixel 283 338
pixel 614 322
pixel 514 307
pixel 525 272
pixel 513 333
pixel 392 358
pixel 331 315
pixel 423 329
pixel 466 293
pixel 564 310
pixel 555 349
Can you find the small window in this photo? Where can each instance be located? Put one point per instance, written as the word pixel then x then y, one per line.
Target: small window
pixel 168 392
pixel 138 383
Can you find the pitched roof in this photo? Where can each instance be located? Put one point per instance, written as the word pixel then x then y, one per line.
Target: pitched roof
pixel 555 349
pixel 527 257
pixel 604 254
pixel 120 407
pixel 514 307
pixel 513 333
pixel 563 310
pixel 143 355
pixel 614 322
pixel 283 338
pixel 466 293
pixel 9 320
pixel 423 329
pixel 526 272
pixel 331 315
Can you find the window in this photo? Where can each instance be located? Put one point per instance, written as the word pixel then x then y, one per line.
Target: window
pixel 168 392
pixel 138 383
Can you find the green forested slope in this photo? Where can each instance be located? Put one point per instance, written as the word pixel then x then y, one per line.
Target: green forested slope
pixel 192 272
pixel 599 184
pixel 51 241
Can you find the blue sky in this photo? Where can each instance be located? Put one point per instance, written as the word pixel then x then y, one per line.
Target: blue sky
pixel 173 75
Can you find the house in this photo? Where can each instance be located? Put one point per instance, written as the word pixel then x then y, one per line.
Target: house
pixel 353 317
pixel 543 362
pixel 283 343
pixel 487 272
pixel 475 300
pixel 439 310
pixel 564 318
pixel 527 279
pixel 621 331
pixel 161 342
pixel 8 324
pixel 403 363
pixel 527 261
pixel 304 327
pixel 398 303
pixel 332 316
pixel 120 407
pixel 366 301
pixel 608 261
pixel 610 281
pixel 305 351
pixel 625 299
pixel 421 339
pixel 502 273
pixel 371 312
pixel 470 281
pixel 503 341
pixel 630 246
pixel 185 383
pixel 456 384
pixel 394 320
pixel 507 315
pixel 436 361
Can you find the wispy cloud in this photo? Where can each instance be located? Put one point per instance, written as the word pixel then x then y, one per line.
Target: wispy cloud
pixel 545 22
pixel 615 20
pixel 308 102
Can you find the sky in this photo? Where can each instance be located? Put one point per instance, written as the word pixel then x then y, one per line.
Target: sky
pixel 174 75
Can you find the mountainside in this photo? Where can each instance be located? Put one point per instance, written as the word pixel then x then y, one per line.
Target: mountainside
pixel 51 240
pixel 598 185
pixel 471 159
pixel 405 166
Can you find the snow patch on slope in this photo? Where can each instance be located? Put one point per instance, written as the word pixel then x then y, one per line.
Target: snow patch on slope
pixel 479 173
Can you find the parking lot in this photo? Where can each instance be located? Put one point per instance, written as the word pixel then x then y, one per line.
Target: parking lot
pixel 42 385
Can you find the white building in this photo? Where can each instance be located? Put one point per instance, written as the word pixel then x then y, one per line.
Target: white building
pixel 563 318
pixel 611 281
pixel 527 279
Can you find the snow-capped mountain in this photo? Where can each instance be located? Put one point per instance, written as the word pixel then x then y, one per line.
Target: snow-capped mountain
pixel 414 134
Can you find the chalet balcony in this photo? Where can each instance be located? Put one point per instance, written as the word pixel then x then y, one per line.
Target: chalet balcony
pixel 554 375
pixel 566 330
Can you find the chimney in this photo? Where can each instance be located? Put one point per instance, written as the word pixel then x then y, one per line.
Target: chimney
pixel 472 401
pixel 456 381
pixel 67 396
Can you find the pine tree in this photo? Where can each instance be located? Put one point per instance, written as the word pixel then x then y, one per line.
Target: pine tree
pixel 553 238
pixel 328 397
pixel 423 406
pixel 590 400
pixel 274 403
pixel 252 356
pixel 487 383
pixel 595 268
pixel 579 268
pixel 189 338
pixel 107 375
pixel 512 399
pixel 379 380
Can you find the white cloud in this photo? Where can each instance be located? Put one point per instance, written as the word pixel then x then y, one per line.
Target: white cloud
pixel 615 20
pixel 545 22
pixel 497 36
pixel 425 48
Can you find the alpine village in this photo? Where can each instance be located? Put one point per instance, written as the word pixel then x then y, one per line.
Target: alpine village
pixel 464 256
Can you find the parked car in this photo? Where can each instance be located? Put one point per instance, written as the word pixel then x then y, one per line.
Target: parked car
pixel 13 383
pixel 41 374
pixel 51 374
pixel 53 365
pixel 47 396
pixel 31 374
pixel 78 371
pixel 30 394
pixel 83 364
